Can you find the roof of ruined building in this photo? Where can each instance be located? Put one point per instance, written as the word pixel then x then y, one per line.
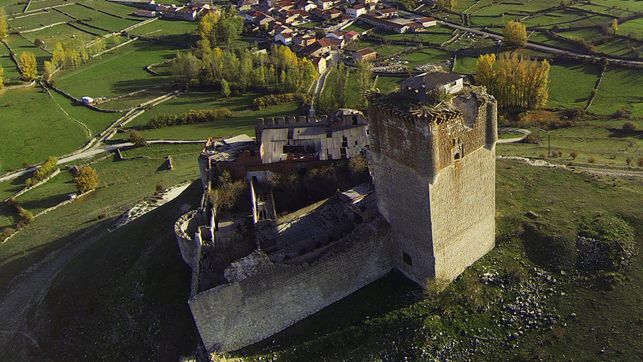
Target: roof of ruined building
pixel 430 80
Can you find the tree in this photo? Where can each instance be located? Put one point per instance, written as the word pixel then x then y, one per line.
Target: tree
pixel 48 71
pixel 514 80
pixel 27 61
pixel 614 26
pixel 86 179
pixel 225 88
pixel 4 27
pixel 185 67
pixel 39 43
pixel 137 138
pixel 446 4
pixel 629 127
pixel 365 79
pixel 515 34
pixel 1 77
pixel 573 155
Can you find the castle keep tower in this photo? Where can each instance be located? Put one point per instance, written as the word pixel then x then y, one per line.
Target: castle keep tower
pixel 434 174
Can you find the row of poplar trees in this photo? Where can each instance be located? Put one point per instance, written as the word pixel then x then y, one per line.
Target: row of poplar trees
pixel 514 80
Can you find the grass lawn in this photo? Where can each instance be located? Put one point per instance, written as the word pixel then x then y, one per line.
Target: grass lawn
pixel 620 89
pixel 571 85
pixel 618 47
pixel 549 19
pixel 242 121
pixel 59 33
pixel 94 120
pixel 604 142
pixel 19 44
pixel 32 128
pixel 388 84
pixel 163 28
pixel 11 73
pixel 49 194
pixel 359 27
pixel 465 65
pixel 425 56
pixel 37 20
pixel 41 4
pixel 434 36
pixel 632 28
pixel 97 18
pixel 117 73
pixel 122 183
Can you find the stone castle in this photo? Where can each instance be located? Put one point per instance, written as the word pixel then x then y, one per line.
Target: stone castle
pixel 428 212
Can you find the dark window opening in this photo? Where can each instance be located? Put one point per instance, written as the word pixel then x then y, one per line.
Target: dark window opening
pixel 354 120
pixel 344 141
pixel 342 152
pixel 406 258
pixel 291 134
pixel 457 156
pixel 329 133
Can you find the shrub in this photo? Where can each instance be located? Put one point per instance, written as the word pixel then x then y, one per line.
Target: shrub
pixel 225 195
pixel 621 113
pixel 640 162
pixel 629 127
pixel 274 99
pixel 591 159
pixel 26 216
pixel 533 138
pixel 189 117
pixel 6 232
pixel 43 171
pixel 86 179
pixel 137 139
pixel 573 155
pixel 549 245
pixel 358 164
pixel 573 114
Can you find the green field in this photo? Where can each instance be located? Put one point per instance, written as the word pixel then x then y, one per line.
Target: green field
pixel 242 121
pixel 117 73
pixel 33 128
pixel 11 73
pixel 620 89
pixel 162 28
pixel 98 19
pixel 19 44
pixel 632 28
pixel 388 84
pixel 41 4
pixel 603 141
pixel 465 65
pixel 94 120
pixel 549 19
pixel 617 47
pixel 571 85
pixel 37 20
pixel 425 56
pixel 59 33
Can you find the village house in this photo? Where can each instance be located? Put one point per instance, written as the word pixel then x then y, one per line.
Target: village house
pixel 356 10
pixel 366 54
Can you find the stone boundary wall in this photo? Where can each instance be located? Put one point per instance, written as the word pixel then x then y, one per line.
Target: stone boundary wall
pixel 238 314
pixel 26 189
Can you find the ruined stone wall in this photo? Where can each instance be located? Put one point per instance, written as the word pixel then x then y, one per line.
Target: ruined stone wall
pixel 235 315
pixel 462 200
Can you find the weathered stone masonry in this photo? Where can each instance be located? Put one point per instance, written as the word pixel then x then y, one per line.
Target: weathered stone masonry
pixel 434 176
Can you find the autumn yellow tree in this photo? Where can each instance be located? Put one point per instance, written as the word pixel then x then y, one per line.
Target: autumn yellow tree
pixel 1 77
pixel 515 34
pixel 86 179
pixel 48 71
pixel 514 81
pixel 28 66
pixel 446 4
pixel 614 25
pixel 4 27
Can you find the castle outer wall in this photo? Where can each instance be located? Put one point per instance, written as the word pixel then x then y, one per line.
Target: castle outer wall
pixel 238 314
